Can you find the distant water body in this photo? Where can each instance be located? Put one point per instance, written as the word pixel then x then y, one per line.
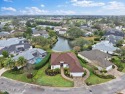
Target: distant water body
pixel 61 45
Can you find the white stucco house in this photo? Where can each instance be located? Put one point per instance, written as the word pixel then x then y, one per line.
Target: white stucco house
pixel 67 60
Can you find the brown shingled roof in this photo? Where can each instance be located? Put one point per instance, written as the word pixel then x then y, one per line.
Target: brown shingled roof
pixel 68 58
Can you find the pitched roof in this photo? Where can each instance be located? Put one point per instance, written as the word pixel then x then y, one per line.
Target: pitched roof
pixel 29 53
pixel 114 32
pixel 10 41
pixel 68 58
pixel 105 46
pixel 97 57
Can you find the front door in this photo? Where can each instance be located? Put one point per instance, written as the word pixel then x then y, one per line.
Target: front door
pixel 61 64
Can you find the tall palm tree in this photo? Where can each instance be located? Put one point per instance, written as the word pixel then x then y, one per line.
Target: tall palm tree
pixel 21 61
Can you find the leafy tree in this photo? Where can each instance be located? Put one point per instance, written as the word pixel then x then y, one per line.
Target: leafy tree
pixel 5 54
pixel 75 32
pixel 77 49
pixel 80 42
pixel 52 33
pixel 9 63
pixel 28 32
pixel 28 24
pixel 119 43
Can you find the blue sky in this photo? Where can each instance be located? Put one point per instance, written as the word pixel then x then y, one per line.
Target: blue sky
pixel 62 7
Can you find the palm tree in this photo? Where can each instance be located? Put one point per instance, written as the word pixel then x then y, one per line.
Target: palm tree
pixel 21 61
pixel 9 63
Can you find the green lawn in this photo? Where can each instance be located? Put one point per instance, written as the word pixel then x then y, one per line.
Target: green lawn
pixel 41 78
pixel 117 61
pixel 93 79
pixel 19 76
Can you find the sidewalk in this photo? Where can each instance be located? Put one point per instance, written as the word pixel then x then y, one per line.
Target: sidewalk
pixel 2 71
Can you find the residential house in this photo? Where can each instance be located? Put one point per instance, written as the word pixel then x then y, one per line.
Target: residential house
pixel 114 35
pixel 42 33
pixel 4 34
pixel 67 60
pixel 33 56
pixel 97 58
pixel 62 31
pixel 14 45
pixel 105 46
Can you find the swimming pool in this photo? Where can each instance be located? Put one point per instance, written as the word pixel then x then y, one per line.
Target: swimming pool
pixel 38 60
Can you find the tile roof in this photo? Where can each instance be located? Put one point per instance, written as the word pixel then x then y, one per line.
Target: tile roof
pixel 68 58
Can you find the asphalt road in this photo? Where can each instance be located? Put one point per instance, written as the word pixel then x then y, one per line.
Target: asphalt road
pixel 16 87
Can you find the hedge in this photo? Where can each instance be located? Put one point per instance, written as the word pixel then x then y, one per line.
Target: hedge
pixel 104 76
pixel 82 59
pixel 43 62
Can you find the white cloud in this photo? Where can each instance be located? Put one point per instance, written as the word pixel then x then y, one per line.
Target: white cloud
pixel 115 5
pixel 8 9
pixel 8 0
pixel 42 5
pixel 86 3
pixel 64 12
pixel 33 11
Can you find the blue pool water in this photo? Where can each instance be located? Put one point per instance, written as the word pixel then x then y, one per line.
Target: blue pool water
pixel 38 60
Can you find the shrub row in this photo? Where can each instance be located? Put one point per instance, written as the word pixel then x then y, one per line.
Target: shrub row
pixel 52 72
pixel 119 65
pixel 43 62
pixel 67 73
pixel 82 59
pixel 104 76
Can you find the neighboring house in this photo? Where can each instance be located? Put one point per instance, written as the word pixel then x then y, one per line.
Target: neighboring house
pixel 33 56
pixel 62 31
pixel 14 45
pixel 97 58
pixel 88 34
pixel 105 46
pixel 42 33
pixel 114 35
pixel 67 60
pixel 57 28
pixel 4 34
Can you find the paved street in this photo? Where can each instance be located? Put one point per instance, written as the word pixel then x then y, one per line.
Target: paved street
pixel 16 87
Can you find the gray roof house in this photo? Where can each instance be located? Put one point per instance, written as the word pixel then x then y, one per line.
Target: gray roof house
pixel 114 35
pixel 4 34
pixel 97 58
pixel 105 46
pixel 34 55
pixel 14 45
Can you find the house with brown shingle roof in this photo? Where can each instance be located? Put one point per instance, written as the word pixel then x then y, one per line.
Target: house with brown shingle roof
pixel 97 58
pixel 67 60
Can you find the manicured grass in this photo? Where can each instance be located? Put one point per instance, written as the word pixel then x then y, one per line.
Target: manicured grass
pixel 117 61
pixel 93 79
pixel 43 79
pixel 18 76
pixel 90 38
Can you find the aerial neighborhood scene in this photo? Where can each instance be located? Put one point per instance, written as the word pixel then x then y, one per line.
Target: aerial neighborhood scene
pixel 62 47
